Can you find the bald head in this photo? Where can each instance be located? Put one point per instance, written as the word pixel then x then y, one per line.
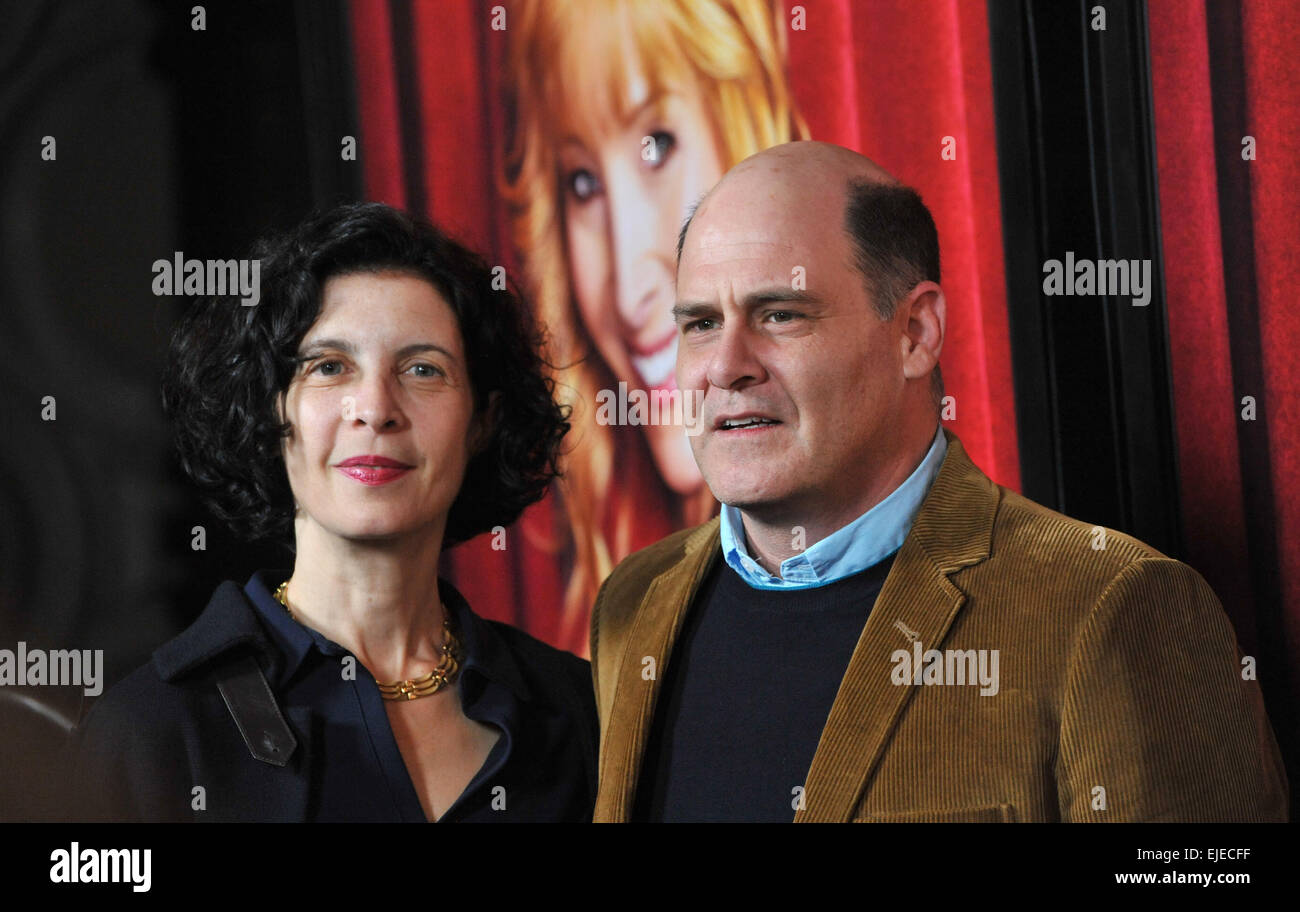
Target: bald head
pixel 892 235
pixel 829 196
pixel 816 405
pixel 814 175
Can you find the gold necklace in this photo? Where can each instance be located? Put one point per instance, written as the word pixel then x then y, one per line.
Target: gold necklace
pixel 412 688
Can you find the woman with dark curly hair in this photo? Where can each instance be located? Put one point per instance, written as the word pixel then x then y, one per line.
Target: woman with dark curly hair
pixel 384 399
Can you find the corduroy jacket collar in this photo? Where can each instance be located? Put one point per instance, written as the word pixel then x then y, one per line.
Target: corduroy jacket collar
pixel 953 529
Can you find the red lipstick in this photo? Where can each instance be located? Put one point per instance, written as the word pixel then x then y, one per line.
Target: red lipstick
pixel 373 469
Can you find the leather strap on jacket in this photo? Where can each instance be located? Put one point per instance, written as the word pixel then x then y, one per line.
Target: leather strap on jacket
pixel 248 697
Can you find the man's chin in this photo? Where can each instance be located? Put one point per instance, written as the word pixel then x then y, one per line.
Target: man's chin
pixel 754 500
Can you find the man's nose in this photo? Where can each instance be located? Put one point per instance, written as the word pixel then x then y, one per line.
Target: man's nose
pixel 734 363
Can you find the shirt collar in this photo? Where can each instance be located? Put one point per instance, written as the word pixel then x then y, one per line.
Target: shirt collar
pixel 485 652
pixel 293 639
pixel 227 623
pixel 864 542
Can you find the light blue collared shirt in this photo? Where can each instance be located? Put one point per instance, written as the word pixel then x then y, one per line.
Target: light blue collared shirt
pixel 863 543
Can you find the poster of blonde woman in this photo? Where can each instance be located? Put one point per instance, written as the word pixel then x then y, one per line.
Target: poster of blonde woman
pixel 623 115
pixel 569 140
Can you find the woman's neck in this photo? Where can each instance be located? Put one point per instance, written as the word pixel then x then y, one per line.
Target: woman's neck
pixel 379 599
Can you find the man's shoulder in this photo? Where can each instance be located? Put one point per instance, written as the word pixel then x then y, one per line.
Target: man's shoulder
pixel 638 570
pixel 969 519
pixel 667 552
pixel 1022 521
pixel 1033 533
pixel 1072 564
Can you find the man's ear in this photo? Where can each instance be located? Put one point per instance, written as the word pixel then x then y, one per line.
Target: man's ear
pixel 485 423
pixel 923 329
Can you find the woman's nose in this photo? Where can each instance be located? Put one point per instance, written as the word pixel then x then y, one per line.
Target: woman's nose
pixel 639 281
pixel 372 403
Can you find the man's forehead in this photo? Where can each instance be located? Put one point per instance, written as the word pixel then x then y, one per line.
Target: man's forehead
pixel 724 255
pixel 762 250
pixel 764 211
pixel 741 245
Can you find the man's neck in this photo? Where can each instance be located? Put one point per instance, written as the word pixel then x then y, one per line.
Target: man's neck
pixel 775 534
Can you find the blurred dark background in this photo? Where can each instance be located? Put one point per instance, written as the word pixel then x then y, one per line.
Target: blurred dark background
pixel 171 139
pixel 167 139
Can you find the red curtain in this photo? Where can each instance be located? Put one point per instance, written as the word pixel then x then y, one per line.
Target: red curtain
pixel 1223 72
pixel 901 81
pixel 892 80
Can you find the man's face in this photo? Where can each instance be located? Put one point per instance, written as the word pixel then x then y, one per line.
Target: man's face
pixel 803 383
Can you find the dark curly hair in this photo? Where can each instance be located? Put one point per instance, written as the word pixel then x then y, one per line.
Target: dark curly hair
pixel 229 366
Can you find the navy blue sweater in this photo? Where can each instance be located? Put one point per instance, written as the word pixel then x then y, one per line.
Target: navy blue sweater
pixel 746 695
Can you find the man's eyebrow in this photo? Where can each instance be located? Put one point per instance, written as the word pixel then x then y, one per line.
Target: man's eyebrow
pixel 689 310
pixel 776 294
pixel 348 348
pixel 780 294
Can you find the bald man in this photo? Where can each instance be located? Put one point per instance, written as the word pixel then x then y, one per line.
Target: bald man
pixel 873 630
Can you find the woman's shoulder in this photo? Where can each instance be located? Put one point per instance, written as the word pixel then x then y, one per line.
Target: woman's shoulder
pixel 552 675
pixel 183 665
pixel 129 743
pixel 150 708
pixel 141 734
pixel 538 655
pixel 545 669
pixel 141 695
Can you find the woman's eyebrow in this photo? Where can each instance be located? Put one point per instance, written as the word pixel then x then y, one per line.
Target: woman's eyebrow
pixel 348 348
pixel 657 101
pixel 417 347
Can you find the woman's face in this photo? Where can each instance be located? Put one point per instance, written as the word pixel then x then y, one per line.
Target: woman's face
pixel 383 375
pixel 625 193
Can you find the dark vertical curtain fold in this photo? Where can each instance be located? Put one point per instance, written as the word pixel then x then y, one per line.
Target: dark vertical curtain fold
pixel 1223 71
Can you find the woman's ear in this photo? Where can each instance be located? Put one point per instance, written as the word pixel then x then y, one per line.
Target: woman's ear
pixel 485 422
pixel 281 411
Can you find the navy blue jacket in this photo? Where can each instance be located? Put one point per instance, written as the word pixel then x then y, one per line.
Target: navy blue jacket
pixel 166 728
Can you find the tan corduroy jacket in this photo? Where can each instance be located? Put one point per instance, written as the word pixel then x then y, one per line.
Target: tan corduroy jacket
pixel 1119 696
